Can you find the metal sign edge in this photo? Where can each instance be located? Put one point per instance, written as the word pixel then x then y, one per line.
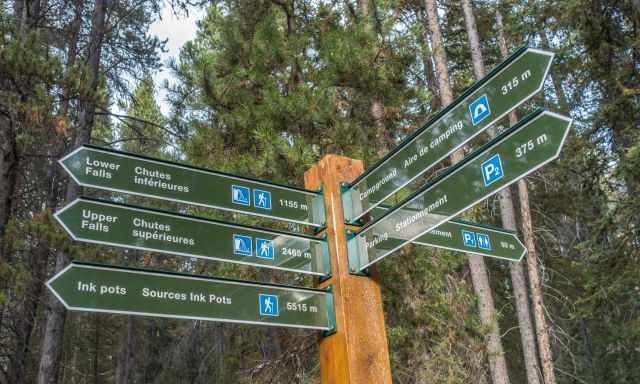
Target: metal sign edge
pixel 438 118
pixel 361 268
pixel 194 168
pixel 83 184
pixel 484 228
pixel 210 258
pixel 73 264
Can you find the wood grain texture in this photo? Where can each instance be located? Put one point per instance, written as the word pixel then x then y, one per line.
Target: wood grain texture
pixel 357 353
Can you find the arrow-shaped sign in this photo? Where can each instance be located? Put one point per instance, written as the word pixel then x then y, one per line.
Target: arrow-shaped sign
pixel 512 83
pixel 93 288
pixel 120 225
pixel 124 172
pixel 520 150
pixel 468 237
pixel 462 236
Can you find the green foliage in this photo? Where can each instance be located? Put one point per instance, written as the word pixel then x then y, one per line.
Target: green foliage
pixel 143 130
pixel 270 101
pixel 266 89
pixel 434 332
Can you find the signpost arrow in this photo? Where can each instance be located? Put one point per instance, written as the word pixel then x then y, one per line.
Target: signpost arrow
pixel 124 172
pixel 512 83
pixel 520 150
pixel 92 288
pixel 131 227
pixel 462 236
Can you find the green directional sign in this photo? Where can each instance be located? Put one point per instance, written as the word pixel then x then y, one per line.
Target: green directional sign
pixel 514 154
pixel 118 171
pixel 132 227
pixel 462 236
pixel 92 288
pixel 512 83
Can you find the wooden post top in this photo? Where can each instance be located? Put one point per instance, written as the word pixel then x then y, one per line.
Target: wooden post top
pixel 357 353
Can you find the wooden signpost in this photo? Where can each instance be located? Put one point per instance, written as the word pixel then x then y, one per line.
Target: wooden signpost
pixel 346 305
pixel 358 351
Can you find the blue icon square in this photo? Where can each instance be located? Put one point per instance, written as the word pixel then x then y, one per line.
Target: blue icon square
pixel 268 305
pixel 492 170
pixel 479 109
pixel 240 195
pixel 469 239
pixel 483 241
pixel 261 199
pixel 264 248
pixel 242 245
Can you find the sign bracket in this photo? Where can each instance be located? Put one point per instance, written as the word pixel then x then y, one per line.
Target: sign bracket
pixel 354 253
pixel 331 312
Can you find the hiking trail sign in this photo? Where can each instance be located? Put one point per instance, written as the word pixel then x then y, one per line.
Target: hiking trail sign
pixel 124 172
pixel 350 305
pixel 94 288
pixel 520 150
pixel 509 85
pixel 108 223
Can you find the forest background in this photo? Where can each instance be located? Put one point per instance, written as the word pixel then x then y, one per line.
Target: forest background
pixel 266 89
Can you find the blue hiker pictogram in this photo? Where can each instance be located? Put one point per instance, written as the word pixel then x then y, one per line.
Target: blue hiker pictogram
pixel 261 199
pixel 264 248
pixel 268 305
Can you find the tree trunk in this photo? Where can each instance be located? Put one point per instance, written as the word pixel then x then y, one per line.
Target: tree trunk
pixel 474 39
pixel 73 30
pixel 507 213
pixel 535 285
pixel 8 178
pixel 131 351
pixel 56 314
pixel 219 352
pixel 363 11
pixel 53 334
pixel 596 375
pixel 27 13
pixel 439 54
pixel 25 315
pixel 542 331
pixel 557 84
pixel 376 108
pixel 429 76
pixel 527 336
pixel 96 348
pixel 479 275
pixel 8 175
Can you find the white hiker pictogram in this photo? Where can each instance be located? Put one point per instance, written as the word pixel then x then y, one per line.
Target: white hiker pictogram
pixel 264 249
pixel 268 305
